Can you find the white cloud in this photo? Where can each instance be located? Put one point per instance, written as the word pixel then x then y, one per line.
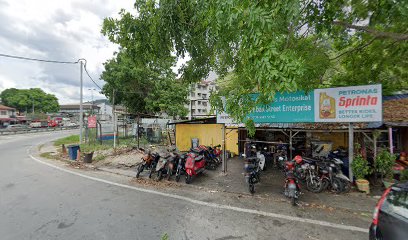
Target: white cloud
pixel 58 30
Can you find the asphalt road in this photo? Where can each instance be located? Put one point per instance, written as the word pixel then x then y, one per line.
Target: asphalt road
pixel 40 202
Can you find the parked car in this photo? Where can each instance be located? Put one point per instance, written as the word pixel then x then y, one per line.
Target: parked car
pixel 390 220
pixel 16 127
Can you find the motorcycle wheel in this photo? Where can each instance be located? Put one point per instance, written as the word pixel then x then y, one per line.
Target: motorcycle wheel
pixel 139 170
pixel 177 177
pixel 251 187
pixel 188 179
pixel 293 201
pixel 337 185
pixel 159 175
pixel 314 184
pixel 151 171
pixel 346 186
pixel 325 184
pixel 169 171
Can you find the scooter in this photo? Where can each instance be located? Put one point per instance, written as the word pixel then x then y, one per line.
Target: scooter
pixel 292 188
pixel 261 158
pixel 195 164
pixel 161 167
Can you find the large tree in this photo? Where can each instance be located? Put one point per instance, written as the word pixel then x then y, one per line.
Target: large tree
pixel 24 100
pixel 271 46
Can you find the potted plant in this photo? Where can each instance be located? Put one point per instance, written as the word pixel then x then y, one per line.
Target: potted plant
pixel 404 175
pixel 384 163
pixel 360 170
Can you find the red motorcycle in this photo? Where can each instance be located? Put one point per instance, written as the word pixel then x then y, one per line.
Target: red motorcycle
pixel 195 164
pixel 292 188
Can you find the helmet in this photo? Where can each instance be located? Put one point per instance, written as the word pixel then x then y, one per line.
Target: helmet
pixel 298 159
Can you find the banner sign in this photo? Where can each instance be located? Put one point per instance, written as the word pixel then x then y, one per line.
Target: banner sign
pixel 345 104
pixel 287 107
pixel 348 104
pixel 92 122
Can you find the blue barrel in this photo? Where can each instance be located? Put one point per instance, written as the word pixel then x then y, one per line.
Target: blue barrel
pixel 72 151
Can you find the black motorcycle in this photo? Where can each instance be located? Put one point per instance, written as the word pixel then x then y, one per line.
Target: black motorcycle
pixel 181 169
pixel 252 173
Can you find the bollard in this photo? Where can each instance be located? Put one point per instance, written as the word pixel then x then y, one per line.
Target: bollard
pixel 64 150
pixel 79 155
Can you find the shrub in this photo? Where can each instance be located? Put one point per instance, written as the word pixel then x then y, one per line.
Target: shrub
pixel 384 163
pixel 360 167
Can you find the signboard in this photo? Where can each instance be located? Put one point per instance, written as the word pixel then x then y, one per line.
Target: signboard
pixel 92 122
pixel 287 107
pixel 344 104
pixel 348 104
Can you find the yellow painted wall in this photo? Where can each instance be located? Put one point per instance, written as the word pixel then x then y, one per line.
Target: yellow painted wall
pixel 231 139
pixel 208 134
pixel 338 139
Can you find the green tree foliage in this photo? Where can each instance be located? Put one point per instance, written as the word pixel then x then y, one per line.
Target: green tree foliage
pixel 24 99
pixel 270 46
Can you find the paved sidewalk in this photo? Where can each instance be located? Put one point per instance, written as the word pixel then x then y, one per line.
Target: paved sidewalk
pixel 270 187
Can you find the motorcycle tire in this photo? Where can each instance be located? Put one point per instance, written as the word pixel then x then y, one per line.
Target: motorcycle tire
pixel 251 187
pixel 337 185
pixel 188 179
pixel 325 184
pixel 169 171
pixel 293 200
pixel 177 177
pixel 346 186
pixel 159 175
pixel 139 170
pixel 151 171
pixel 314 186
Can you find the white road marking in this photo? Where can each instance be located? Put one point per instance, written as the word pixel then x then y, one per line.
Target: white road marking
pixel 208 204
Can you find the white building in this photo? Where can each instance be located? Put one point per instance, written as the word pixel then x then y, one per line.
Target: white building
pixel 199 95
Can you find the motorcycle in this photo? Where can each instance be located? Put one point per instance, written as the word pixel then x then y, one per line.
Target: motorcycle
pixel 148 162
pixel 161 167
pixel 215 153
pixel 195 164
pixel 292 188
pixel 261 158
pixel 313 182
pixel 281 158
pixel 181 167
pixel 328 176
pixel 252 172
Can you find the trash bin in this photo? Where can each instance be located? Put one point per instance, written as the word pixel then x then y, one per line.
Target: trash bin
pixel 72 151
pixel 195 142
pixel 88 157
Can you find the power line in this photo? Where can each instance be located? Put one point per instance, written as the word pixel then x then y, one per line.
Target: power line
pixel 36 59
pixel 86 71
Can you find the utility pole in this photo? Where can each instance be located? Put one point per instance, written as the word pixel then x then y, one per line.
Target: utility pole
pixel 32 100
pixel 92 112
pixel 81 110
pixel 114 119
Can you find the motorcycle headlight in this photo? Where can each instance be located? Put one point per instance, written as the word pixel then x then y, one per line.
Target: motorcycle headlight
pixel 312 167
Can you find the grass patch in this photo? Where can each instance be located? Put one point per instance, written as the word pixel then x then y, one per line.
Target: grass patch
pixel 99 157
pixel 67 140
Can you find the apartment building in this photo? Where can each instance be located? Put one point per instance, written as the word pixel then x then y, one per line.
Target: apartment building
pixel 199 104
